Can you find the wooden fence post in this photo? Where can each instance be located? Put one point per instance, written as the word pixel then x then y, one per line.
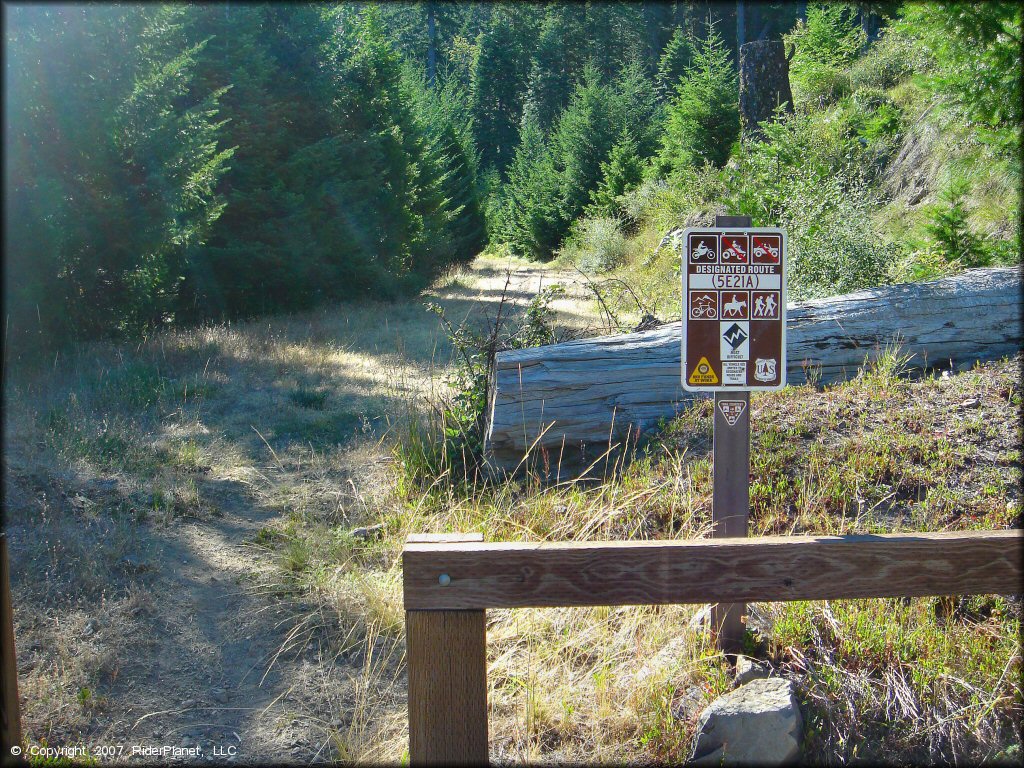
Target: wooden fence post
pixel 10 713
pixel 446 654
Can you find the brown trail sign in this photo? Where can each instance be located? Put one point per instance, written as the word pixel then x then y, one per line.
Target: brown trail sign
pixel 734 308
pixel 734 340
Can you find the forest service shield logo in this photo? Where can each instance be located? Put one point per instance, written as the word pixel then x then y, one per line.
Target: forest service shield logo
pixel 732 410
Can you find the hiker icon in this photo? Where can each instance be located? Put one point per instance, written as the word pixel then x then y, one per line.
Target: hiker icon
pixel 766 305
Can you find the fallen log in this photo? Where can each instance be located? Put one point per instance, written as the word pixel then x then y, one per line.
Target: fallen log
pixel 574 400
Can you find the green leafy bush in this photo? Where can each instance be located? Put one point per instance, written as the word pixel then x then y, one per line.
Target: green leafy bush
pixel 824 46
pixel 806 177
pixel 869 98
pixel 450 443
pixel 833 246
pixel 889 61
pixel 885 122
pixel 596 245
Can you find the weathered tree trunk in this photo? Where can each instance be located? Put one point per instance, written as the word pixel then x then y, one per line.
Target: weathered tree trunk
pixel 573 399
pixel 431 45
pixel 741 24
pixel 764 83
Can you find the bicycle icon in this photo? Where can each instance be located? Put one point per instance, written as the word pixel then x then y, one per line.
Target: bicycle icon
pixel 703 306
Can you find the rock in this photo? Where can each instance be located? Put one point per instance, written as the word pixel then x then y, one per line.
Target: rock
pixel 971 403
pixel 369 532
pixel 748 669
pixel 757 723
pixel 219 695
pixel 687 703
pixel 189 703
pixel 91 627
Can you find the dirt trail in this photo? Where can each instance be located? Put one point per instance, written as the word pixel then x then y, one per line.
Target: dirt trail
pixel 210 681
pixel 217 664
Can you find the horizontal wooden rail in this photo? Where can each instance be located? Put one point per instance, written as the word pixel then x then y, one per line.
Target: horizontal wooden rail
pixel 477 575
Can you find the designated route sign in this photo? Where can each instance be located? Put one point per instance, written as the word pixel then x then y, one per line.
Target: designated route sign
pixel 734 309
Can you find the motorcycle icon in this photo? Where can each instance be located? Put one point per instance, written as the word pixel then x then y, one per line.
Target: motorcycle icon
pixel 702 252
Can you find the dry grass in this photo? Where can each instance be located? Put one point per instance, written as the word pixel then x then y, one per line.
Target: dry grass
pixel 299 422
pixel 114 453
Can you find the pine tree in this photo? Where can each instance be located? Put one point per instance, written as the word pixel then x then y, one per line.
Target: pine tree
pixel 674 61
pixel 702 122
pixel 500 78
pixel 114 162
pixel 554 65
pixel 529 216
pixel 582 140
pixel 442 115
pixel 635 107
pixel 615 33
pixel 622 172
pixel 275 59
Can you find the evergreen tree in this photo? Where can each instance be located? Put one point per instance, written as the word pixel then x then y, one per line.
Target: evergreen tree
pixel 674 61
pixel 622 172
pixel 500 78
pixel 241 270
pixel 586 131
pixel 529 216
pixel 556 62
pixel 702 122
pixel 977 54
pixel 615 33
pixel 442 115
pixel 112 168
pixel 635 107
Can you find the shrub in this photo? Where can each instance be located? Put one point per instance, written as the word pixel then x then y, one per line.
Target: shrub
pixel 833 245
pixel 869 98
pixel 820 85
pixel 889 61
pixel 824 46
pixel 886 122
pixel 596 245
pixel 795 149
pixel 805 176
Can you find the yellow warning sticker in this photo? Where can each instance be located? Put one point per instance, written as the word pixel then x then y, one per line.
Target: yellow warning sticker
pixel 703 373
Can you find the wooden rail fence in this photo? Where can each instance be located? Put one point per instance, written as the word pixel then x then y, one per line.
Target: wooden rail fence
pixel 450 580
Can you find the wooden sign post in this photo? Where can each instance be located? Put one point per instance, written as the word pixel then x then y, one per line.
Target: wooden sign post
pixel 734 308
